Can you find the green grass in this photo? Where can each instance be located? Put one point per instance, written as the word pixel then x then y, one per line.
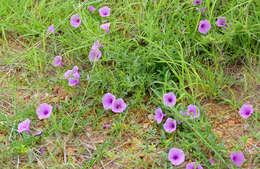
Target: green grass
pixel 153 48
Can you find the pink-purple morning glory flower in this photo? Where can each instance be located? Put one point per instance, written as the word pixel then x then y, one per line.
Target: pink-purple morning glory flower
pixel 57 61
pixel 193 166
pixel 105 27
pixel 51 28
pixel 44 111
pixel 204 26
pixel 221 22
pixel 169 99
pixel 194 110
pixel 246 110
pixel 72 76
pixel 24 126
pixel 75 20
pixel 176 156
pixel 108 100
pixel 238 158
pixel 170 125
pixel 91 9
pixel 197 2
pixel 158 115
pixel 104 11
pixel 118 106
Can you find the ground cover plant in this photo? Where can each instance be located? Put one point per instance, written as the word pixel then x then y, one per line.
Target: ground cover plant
pixel 130 84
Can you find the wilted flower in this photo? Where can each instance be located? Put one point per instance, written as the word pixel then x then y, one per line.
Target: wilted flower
pixel 194 110
pixel 202 10
pixel 193 165
pixel 238 158
pixel 94 55
pixel 91 9
pixel 211 161
pixel 104 11
pixel 105 27
pixel 176 156
pixel 44 111
pixel 169 99
pixel 181 113
pixel 75 21
pixel 159 115
pixel 221 22
pixel 178 122
pixel 57 61
pixel 73 76
pixel 37 134
pixel 88 77
pixel 107 125
pixel 118 106
pixel 170 125
pixel 24 126
pixel 246 110
pixel 96 45
pixel 42 151
pixel 51 28
pixel 204 26
pixel 197 2
pixel 108 100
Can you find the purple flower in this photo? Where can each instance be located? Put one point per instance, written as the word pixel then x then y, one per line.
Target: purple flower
pixel 170 125
pixel 221 22
pixel 73 76
pixel 107 125
pixel 104 11
pixel 211 161
pixel 238 158
pixel 181 113
pixel 105 27
pixel 44 111
pixel 51 28
pixel 94 55
pixel 108 100
pixel 246 110
pixel 37 134
pixel 57 61
pixel 91 9
pixel 195 112
pixel 176 156
pixel 159 115
pixel 193 165
pixel 118 106
pixel 187 114
pixel 197 2
pixel 169 99
pixel 178 122
pixel 24 126
pixel 204 26
pixel 75 21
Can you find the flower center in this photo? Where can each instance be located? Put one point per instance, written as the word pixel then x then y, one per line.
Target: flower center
pixel 170 99
pixel 234 158
pixel 118 106
pixel 175 157
pixel 202 26
pixel 247 113
pixel 77 20
pixel 45 112
pixel 111 101
pixel 172 125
